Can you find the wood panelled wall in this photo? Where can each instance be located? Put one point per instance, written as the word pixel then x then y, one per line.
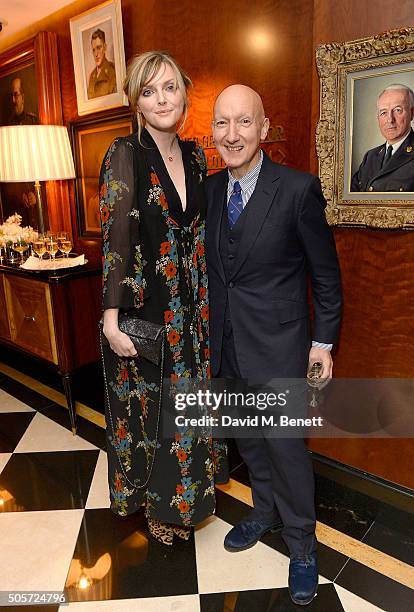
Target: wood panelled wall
pixel 220 42
pixel 377 338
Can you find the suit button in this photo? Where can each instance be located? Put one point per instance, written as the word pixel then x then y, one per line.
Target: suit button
pixel 370 188
pixel 231 256
pixel 231 284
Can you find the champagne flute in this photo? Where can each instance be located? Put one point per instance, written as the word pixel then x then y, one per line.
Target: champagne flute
pixel 20 245
pixel 51 244
pixel 39 246
pixel 65 243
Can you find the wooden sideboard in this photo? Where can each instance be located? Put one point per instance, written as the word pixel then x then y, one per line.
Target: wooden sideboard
pixel 53 317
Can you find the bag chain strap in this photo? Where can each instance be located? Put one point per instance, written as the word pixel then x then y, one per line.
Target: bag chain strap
pixel 158 415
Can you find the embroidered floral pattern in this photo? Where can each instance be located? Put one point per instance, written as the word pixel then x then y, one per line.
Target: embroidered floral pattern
pixel 122 442
pixel 121 384
pixel 119 494
pixel 199 163
pixel 112 192
pixel 186 490
pixel 171 258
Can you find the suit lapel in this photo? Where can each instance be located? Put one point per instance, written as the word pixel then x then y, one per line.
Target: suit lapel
pixel 378 160
pixel 215 217
pixel 256 210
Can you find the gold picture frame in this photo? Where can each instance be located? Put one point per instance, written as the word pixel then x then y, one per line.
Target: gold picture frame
pixel 99 58
pixel 91 137
pixel 352 74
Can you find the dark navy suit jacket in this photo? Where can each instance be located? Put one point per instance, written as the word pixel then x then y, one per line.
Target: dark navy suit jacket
pixel 285 240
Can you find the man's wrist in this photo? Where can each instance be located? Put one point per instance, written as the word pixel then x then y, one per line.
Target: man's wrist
pixel 322 345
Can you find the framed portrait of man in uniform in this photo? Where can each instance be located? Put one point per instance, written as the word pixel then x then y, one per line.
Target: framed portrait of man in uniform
pixel 99 58
pixel 18 106
pixel 28 99
pixel 365 138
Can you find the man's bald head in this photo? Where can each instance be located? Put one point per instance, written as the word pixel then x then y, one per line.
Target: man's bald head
pixel 239 124
pixel 240 94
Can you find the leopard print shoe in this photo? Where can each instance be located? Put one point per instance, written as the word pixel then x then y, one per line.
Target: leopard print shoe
pixel 182 532
pixel 162 532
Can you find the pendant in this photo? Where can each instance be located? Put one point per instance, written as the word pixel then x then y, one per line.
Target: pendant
pixel 170 158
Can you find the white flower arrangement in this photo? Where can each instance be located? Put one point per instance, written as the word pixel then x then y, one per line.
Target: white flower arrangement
pixel 12 229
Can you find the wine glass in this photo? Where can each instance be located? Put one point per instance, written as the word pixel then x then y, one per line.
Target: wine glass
pixel 39 246
pixel 51 244
pixel 20 245
pixel 65 243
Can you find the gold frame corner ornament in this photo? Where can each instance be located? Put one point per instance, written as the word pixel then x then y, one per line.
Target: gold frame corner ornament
pixel 336 62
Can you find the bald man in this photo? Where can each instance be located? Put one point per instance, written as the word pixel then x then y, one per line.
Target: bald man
pixel 266 233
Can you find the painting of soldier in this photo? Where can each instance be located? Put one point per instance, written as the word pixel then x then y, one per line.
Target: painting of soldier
pixel 18 98
pixel 99 58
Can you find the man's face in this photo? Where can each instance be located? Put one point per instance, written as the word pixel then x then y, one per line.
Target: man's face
pixel 239 125
pixel 98 50
pixel 394 114
pixel 17 96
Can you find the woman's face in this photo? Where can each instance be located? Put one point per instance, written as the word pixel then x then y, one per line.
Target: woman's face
pixel 161 101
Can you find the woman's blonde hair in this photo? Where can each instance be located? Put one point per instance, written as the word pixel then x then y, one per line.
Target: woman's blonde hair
pixel 142 69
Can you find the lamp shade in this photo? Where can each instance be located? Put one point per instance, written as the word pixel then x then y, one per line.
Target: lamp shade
pixel 35 153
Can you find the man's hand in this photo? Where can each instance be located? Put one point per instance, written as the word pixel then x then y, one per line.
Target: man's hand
pixel 324 357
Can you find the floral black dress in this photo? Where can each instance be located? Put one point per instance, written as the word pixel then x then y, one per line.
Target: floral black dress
pixel 154 264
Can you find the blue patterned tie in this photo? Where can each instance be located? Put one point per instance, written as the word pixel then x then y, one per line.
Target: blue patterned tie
pixel 235 205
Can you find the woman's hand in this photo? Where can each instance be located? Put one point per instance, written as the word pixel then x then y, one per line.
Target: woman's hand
pixel 119 342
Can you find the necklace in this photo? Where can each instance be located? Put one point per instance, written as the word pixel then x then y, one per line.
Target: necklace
pixel 170 156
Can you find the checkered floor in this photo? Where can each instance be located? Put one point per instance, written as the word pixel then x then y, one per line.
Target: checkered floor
pixel 58 534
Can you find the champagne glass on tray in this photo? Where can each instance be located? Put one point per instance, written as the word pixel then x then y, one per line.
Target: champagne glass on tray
pixel 51 244
pixel 39 246
pixel 20 245
pixel 65 243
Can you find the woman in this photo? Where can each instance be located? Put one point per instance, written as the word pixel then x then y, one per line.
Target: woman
pixel 153 212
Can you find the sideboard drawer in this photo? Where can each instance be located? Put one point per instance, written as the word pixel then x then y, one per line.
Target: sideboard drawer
pixel 30 313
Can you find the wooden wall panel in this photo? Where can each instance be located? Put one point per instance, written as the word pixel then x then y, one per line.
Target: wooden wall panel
pixel 377 338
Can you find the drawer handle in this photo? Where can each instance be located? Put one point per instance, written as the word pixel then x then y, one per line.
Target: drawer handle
pixel 29 318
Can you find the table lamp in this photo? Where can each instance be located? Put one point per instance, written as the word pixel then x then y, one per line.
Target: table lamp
pixel 35 153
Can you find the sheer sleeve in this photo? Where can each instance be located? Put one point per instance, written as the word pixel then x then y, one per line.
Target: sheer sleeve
pixel 122 263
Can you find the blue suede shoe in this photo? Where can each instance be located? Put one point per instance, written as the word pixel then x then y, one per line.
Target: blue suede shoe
pixel 303 578
pixel 247 533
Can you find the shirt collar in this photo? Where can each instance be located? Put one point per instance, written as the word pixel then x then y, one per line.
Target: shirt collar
pixel 397 144
pixel 247 178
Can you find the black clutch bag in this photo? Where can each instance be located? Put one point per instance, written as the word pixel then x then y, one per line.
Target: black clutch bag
pixel 146 337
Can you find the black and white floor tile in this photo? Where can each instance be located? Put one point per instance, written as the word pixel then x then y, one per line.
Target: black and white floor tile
pixel 57 533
